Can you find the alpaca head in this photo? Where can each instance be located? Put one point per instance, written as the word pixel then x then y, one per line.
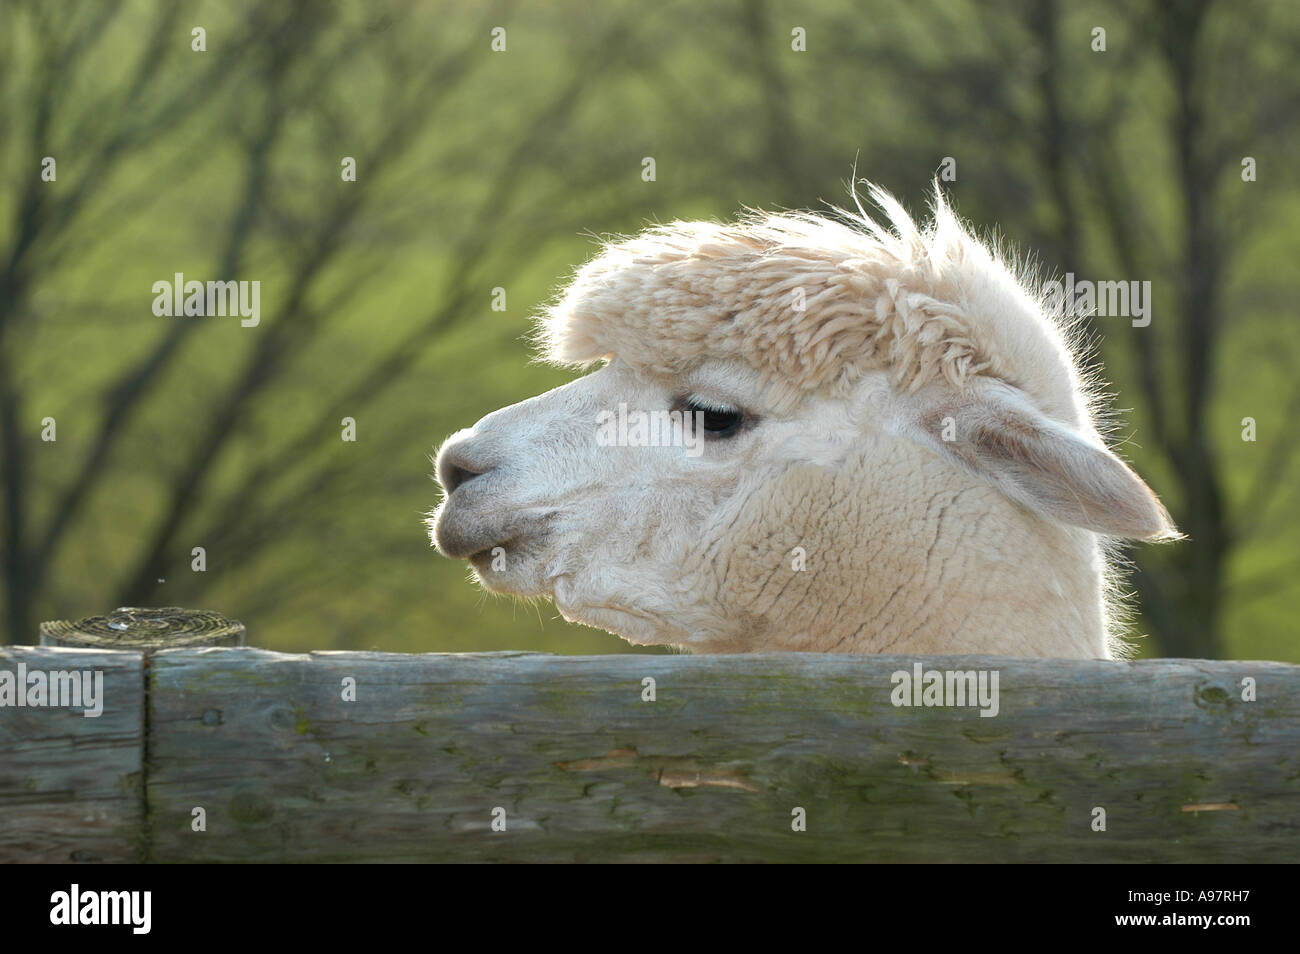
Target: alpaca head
pixel 807 434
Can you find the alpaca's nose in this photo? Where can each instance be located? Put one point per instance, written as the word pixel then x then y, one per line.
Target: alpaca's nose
pixel 457 465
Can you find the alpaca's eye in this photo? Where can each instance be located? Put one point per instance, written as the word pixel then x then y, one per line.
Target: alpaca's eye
pixel 717 421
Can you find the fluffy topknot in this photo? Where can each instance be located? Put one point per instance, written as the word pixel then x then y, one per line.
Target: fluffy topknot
pixel 814 301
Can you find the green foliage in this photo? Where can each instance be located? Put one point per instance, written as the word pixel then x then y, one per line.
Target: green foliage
pixel 478 169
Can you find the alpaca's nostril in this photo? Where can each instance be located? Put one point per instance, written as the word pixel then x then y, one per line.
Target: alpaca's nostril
pixel 456 468
pixel 455 476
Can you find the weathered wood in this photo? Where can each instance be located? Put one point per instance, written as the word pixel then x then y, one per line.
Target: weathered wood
pixel 70 786
pixel 585 770
pixel 146 629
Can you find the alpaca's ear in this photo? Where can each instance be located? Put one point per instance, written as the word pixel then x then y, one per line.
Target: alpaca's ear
pixel 1043 464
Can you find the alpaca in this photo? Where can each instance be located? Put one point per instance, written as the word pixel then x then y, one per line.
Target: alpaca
pixel 895 450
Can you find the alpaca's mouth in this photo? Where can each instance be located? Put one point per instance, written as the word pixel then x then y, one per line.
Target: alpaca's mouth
pixel 479 549
pixel 482 560
pixel 503 545
pixel 460 542
pixel 469 533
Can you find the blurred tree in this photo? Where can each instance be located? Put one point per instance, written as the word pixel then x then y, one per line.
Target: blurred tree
pixel 1121 164
pixel 477 169
pixel 282 81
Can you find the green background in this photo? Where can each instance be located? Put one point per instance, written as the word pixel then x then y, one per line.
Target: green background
pixel 479 169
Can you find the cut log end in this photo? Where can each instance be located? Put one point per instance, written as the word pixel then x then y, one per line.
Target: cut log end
pixel 145 629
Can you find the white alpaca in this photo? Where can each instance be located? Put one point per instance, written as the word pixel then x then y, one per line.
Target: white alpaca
pixel 899 453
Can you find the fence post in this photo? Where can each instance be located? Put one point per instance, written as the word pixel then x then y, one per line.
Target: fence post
pixel 74 732
pixel 145 630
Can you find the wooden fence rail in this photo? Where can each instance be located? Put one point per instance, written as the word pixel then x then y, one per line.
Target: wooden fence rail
pixel 360 756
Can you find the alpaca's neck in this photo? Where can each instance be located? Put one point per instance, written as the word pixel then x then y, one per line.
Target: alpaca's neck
pixel 959 569
pixel 1035 590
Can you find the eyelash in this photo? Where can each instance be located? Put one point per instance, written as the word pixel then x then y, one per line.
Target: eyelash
pixel 713 412
pixel 704 404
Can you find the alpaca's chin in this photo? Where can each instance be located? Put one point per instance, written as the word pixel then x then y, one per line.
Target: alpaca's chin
pixel 638 626
pixel 523 574
pixel 630 625
pixel 509 575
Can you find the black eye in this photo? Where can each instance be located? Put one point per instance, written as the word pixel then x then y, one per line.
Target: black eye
pixel 717 421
